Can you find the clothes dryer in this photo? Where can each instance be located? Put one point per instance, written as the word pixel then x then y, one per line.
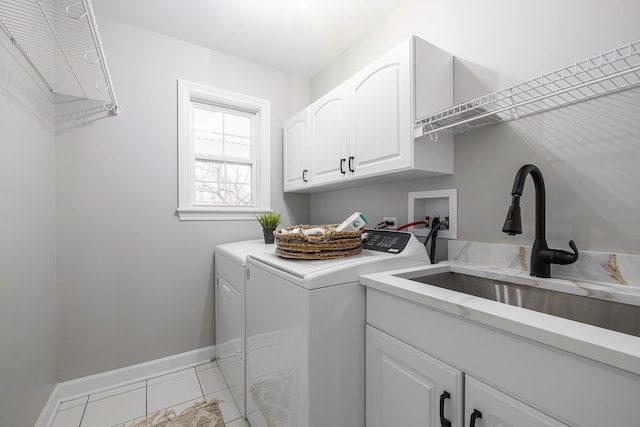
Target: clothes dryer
pixel 230 261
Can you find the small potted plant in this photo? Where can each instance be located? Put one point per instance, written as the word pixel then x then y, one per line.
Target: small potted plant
pixel 269 222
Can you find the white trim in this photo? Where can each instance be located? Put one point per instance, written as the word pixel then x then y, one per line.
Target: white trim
pixel 451 195
pixel 120 377
pixel 219 214
pixel 123 376
pixel 190 91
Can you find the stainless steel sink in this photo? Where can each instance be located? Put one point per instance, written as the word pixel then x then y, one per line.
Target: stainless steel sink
pixel 611 315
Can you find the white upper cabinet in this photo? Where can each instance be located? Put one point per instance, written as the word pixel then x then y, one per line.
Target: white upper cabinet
pixel 295 141
pixel 329 137
pixel 380 109
pixel 362 131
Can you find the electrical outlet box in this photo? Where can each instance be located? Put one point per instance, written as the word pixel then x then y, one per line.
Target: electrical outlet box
pixel 438 203
pixel 392 221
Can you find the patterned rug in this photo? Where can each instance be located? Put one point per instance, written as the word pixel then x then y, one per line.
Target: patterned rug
pixel 201 414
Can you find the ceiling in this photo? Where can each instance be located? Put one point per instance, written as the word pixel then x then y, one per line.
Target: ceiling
pixel 295 36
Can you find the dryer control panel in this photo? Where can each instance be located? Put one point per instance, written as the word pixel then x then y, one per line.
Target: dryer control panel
pixel 388 241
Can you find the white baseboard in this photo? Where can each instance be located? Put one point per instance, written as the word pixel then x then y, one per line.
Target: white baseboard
pixel 120 377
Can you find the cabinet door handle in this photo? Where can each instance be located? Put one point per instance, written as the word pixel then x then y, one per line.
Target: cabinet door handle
pixel 474 416
pixel 351 169
pixel 443 421
pixel 304 175
pixel 342 171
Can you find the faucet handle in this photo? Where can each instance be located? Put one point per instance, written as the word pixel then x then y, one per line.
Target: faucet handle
pixel 565 257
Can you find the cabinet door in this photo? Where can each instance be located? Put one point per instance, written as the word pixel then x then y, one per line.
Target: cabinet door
pixel 295 141
pixel 487 407
pixel 380 103
pixel 329 137
pixel 406 387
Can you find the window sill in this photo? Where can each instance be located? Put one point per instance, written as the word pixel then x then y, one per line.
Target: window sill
pixel 219 214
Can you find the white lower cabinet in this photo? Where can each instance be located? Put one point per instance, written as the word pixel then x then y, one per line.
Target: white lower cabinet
pixel 487 407
pixel 416 352
pixel 406 387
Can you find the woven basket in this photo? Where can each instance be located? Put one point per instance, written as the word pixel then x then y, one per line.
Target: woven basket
pixel 331 244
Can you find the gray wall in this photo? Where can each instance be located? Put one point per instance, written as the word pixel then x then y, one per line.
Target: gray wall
pixel 134 282
pixel 589 153
pixel 28 354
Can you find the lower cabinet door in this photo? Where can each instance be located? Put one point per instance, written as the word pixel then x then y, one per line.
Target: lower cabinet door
pixel 487 407
pixel 406 387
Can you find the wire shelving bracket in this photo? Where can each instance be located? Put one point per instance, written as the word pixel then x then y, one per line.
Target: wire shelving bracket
pixel 60 39
pixel 599 75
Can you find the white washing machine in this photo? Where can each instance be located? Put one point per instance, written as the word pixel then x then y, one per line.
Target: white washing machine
pixel 230 261
pixel 305 333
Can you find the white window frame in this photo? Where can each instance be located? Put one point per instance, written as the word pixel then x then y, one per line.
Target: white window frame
pixel 190 93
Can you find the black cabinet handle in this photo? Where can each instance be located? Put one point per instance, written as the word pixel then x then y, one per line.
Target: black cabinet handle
pixel 304 175
pixel 351 169
pixel 443 421
pixel 474 416
pixel 342 171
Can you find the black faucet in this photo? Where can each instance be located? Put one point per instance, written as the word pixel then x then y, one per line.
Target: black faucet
pixel 541 256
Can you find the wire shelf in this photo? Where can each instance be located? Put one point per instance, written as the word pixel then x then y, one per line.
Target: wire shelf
pixel 600 75
pixel 60 39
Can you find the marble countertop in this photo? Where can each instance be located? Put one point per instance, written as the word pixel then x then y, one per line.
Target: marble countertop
pixel 609 347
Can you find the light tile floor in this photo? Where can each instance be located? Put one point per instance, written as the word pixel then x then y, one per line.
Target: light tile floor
pixel 136 401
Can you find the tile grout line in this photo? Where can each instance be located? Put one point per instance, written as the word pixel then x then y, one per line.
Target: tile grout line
pixel 146 398
pixel 227 388
pixel 200 383
pixel 116 394
pixel 180 403
pixel 143 383
pixel 84 411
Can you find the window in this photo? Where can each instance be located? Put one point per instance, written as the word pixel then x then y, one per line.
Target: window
pixel 223 157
